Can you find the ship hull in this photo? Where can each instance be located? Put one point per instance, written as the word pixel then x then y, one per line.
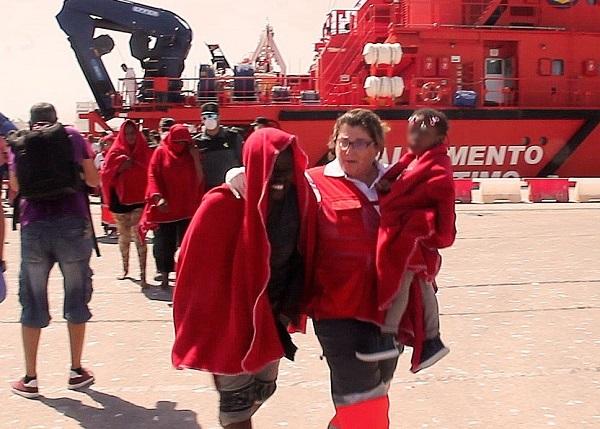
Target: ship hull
pixel 485 143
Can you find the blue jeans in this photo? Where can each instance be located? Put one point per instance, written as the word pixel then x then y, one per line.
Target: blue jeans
pixel 68 242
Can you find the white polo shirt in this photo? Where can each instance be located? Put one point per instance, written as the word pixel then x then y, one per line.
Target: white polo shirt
pixel 334 169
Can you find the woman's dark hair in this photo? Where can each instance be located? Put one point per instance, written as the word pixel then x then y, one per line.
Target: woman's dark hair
pixel 431 118
pixel 366 119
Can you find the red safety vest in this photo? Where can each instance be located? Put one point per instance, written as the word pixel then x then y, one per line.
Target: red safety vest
pixel 345 277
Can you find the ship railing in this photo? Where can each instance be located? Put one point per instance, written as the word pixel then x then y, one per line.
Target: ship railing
pixel 366 26
pixel 477 12
pixel 155 94
pixel 159 93
pixel 339 21
pixel 505 92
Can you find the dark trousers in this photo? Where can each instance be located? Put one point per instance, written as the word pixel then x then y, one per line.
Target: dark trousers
pixel 167 238
pixel 352 380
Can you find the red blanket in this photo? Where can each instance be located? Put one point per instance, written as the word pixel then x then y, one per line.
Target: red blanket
pixel 173 176
pixel 223 318
pixel 417 219
pixel 130 185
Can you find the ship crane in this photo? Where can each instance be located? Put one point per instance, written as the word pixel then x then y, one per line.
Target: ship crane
pixel 267 57
pixel 160 40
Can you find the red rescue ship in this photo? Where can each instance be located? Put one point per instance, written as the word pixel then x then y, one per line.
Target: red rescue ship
pixel 519 79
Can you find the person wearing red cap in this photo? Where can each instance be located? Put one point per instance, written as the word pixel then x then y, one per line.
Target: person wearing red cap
pixel 232 307
pixel 175 189
pixel 124 179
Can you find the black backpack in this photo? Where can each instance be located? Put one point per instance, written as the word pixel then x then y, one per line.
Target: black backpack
pixel 45 163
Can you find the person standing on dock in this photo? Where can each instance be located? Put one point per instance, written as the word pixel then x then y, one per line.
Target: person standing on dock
pixel 55 228
pixel 124 181
pixel 220 147
pixel 175 190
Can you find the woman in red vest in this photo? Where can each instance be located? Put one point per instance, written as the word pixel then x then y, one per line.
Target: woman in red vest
pixel 124 179
pixel 345 307
pixel 175 189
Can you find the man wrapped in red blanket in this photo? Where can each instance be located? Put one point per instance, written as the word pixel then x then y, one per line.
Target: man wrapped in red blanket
pixel 233 304
pixel 417 218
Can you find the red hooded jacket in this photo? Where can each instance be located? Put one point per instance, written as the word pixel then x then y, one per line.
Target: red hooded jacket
pixel 173 176
pixel 417 218
pixel 223 317
pixel 130 185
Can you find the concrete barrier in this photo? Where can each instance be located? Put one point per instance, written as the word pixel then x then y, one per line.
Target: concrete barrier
pixel 586 189
pixel 548 189
pixel 498 190
pixel 463 188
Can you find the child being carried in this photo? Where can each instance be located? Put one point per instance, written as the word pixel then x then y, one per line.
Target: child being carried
pixel 418 217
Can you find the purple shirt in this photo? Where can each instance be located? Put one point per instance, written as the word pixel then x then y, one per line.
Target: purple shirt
pixel 74 205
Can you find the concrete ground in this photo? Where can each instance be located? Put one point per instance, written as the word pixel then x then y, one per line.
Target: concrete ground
pixel 520 297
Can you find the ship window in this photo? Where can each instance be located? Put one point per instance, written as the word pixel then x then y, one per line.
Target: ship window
pixel 494 67
pixel 558 67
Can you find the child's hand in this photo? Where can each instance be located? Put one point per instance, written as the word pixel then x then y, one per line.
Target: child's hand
pixel 383 186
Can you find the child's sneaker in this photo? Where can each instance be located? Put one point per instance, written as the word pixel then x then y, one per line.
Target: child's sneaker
pixel 80 378
pixel 380 347
pixel 25 388
pixel 433 351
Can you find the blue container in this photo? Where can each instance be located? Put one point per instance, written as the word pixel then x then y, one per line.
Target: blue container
pixel 465 98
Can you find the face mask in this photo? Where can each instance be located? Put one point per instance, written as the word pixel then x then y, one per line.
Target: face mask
pixel 211 123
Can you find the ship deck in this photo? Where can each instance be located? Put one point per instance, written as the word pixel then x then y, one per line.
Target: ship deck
pixel 520 304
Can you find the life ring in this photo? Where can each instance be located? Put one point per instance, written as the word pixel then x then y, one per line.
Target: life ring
pixel 431 92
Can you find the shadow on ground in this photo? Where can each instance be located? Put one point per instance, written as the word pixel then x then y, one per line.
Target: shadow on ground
pixel 158 294
pixel 108 239
pixel 114 412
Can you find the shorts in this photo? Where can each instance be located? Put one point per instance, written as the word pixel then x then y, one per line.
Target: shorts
pixel 68 242
pixel 352 380
pixel 242 395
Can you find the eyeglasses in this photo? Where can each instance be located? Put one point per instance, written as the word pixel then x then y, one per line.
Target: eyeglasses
pixel 346 144
pixel 206 116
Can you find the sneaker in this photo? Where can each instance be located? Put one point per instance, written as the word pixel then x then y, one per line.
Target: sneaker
pixel 158 277
pixel 27 390
pixel 80 379
pixel 381 347
pixel 433 351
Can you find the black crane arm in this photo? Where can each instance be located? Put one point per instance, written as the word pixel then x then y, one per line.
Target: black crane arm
pixel 79 19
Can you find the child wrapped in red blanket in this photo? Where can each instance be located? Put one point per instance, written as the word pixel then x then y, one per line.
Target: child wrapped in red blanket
pixel 417 218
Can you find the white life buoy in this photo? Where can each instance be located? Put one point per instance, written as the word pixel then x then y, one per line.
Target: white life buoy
pixel 370 53
pixel 385 53
pixel 396 53
pixel 372 85
pixel 398 86
pixel 386 88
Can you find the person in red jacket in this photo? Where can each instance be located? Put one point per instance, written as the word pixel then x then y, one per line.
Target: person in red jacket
pixel 417 218
pixel 232 306
pixel 124 179
pixel 175 189
pixel 344 305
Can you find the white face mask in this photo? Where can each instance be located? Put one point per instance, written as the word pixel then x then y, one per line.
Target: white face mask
pixel 211 124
